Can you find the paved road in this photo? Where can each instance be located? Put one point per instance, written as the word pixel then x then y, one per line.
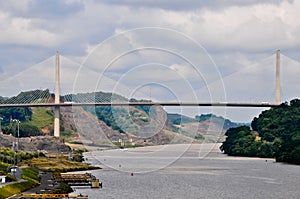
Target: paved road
pixel 46 186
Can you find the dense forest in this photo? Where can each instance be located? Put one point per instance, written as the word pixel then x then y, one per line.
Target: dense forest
pixel 275 133
pixel 24 115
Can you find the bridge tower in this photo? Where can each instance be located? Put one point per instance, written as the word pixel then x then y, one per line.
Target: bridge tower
pixel 278 77
pixel 57 96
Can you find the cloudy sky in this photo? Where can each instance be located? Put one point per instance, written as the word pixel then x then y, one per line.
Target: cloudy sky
pixel 209 50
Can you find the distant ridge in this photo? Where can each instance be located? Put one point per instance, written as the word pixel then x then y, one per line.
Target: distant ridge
pixel 177 119
pixel 122 122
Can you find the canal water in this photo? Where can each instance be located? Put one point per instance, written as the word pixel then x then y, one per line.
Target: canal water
pixel 189 171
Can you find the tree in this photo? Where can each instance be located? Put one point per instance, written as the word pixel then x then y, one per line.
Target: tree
pixel 27 130
pixel 278 129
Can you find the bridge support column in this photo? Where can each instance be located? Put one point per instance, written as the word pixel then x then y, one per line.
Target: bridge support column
pixel 56 122
pixel 278 77
pixel 57 96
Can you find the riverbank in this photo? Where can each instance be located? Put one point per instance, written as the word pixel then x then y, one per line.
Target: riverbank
pixel 38 178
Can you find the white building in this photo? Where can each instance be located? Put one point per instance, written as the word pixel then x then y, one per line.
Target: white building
pixel 2 179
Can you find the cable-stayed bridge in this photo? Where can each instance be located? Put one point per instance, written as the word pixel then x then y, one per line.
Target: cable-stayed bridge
pixel 43 98
pixel 206 104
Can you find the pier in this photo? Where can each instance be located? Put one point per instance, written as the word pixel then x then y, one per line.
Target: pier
pixel 48 195
pixel 85 179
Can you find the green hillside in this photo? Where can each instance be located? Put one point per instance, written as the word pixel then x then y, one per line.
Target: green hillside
pixel 41 117
pixel 179 119
pixel 275 133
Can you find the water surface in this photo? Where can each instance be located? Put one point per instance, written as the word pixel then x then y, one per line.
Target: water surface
pixel 201 171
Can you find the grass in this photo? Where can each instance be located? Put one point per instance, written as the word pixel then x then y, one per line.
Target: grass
pixel 59 165
pixel 32 180
pixel 30 175
pixel 65 134
pixel 15 188
pixel 41 117
pixel 3 166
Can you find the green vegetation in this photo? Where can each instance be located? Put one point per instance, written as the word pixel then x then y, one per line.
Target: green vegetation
pixel 41 117
pixel 3 167
pixel 27 130
pixel 93 97
pixel 108 114
pixel 78 155
pixel 59 165
pixel 65 134
pixel 28 97
pixel 22 114
pixel 186 133
pixel 217 120
pixel 62 189
pixel 275 133
pixel 119 119
pixel 32 119
pixel 28 174
pixel 178 119
pixel 241 141
pixel 37 162
pixel 15 188
pixel 7 155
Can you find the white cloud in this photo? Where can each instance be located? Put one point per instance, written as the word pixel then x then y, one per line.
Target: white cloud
pixel 21 31
pixel 235 33
pixel 256 28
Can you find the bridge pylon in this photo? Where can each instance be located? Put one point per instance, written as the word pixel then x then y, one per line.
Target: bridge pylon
pixel 277 77
pixel 57 96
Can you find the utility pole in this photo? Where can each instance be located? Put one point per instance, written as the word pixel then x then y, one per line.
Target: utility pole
pixel 278 77
pixel 16 149
pixel 57 96
pixel 1 118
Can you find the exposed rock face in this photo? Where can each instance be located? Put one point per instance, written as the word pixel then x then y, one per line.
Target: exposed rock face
pixel 45 144
pixel 67 120
pixel 87 128
pixel 145 126
pixel 90 130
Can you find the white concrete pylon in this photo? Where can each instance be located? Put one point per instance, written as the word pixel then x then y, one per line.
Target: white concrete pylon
pixel 57 96
pixel 278 77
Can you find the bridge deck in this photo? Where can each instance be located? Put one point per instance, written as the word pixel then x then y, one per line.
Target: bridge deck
pixel 219 104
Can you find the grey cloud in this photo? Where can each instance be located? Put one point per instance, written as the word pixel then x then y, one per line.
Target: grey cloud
pixel 189 4
pixel 236 33
pixel 41 8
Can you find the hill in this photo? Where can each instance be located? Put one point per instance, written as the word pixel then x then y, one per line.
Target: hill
pixel 141 125
pixel 208 127
pixel 275 133
pixel 177 119
pixel 88 127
